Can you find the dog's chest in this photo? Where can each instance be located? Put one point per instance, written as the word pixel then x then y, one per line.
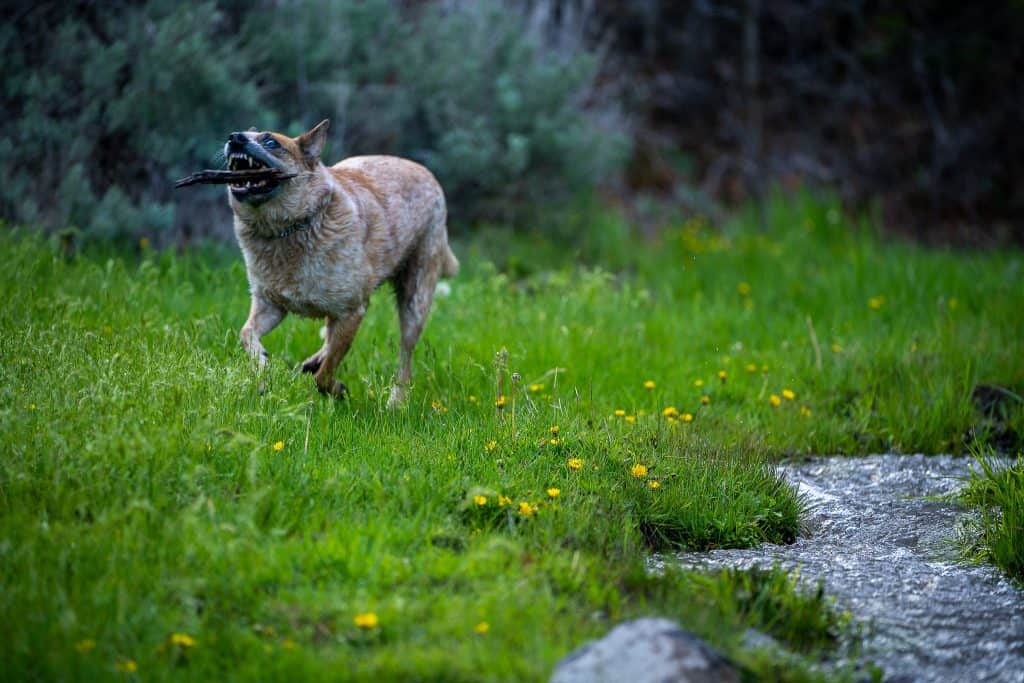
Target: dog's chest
pixel 310 285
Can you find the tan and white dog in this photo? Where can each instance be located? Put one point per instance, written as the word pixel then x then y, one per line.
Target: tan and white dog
pixel 320 243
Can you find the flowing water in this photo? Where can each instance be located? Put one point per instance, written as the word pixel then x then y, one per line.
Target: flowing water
pixel 880 536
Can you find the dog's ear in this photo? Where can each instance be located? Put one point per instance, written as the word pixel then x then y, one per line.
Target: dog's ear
pixel 312 141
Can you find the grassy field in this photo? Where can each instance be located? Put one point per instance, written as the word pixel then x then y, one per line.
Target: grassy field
pixel 160 518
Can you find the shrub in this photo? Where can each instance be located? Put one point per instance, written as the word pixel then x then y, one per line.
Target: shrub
pixel 107 108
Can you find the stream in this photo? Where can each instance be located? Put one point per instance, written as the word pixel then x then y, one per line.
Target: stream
pixel 881 541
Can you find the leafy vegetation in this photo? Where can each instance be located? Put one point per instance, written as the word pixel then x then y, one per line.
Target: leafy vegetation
pixel 159 515
pixel 108 107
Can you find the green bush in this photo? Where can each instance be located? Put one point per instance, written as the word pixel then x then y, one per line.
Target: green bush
pixel 106 105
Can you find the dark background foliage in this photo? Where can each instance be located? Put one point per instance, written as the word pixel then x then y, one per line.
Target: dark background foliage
pixel 914 104
pixel 518 106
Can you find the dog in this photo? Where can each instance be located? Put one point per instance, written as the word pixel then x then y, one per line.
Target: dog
pixel 319 243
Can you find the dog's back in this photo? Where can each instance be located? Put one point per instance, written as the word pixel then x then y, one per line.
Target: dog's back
pixel 400 207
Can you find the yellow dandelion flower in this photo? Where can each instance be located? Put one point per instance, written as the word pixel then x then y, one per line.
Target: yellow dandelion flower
pixel 743 288
pixel 775 400
pixel 575 463
pixel 288 644
pixel 672 420
pixel 85 646
pixel 805 411
pixel 182 640
pixel 764 368
pixel 438 407
pixel 534 388
pixel 473 399
pixel 671 411
pixel 482 628
pixel 630 419
pixel 526 510
pixel 503 501
pixel 500 402
pixel 722 375
pixel 278 446
pixel 751 367
pixel 126 666
pixel 836 348
pixel 31 406
pixel 788 394
pixel 876 302
pixel 654 484
pixel 480 500
pixel 491 445
pixel 649 384
pixel 554 430
pixel 686 417
pixel 619 412
pixel 639 471
pixel 698 383
pixel 555 442
pixel 705 399
pixel 366 620
pixel 554 493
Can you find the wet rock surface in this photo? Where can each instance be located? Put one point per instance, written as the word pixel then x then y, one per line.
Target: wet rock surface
pixel 882 543
pixel 646 651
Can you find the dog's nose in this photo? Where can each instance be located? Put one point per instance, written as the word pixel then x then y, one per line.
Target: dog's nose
pixel 237 139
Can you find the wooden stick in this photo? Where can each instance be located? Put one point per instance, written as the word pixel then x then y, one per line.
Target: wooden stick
pixel 211 177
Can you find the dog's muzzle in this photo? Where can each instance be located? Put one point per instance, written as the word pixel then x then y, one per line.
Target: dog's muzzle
pixel 244 155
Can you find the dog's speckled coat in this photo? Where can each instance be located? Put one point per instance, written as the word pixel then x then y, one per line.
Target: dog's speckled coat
pixel 326 239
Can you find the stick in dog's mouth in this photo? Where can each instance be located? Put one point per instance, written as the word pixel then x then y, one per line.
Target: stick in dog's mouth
pixel 235 178
pixel 240 161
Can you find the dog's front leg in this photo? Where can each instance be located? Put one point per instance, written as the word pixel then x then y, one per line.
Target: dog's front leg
pixel 263 317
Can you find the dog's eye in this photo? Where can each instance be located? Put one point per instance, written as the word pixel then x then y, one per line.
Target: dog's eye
pixel 269 142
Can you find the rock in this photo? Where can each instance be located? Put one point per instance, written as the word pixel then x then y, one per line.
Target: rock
pixel 645 651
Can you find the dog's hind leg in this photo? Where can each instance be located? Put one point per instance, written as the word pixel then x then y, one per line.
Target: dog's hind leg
pixel 340 333
pixel 414 294
pixel 312 364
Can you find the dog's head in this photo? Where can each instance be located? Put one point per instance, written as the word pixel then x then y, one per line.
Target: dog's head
pixel 254 149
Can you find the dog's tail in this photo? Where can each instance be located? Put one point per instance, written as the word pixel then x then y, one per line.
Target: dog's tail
pixel 449 264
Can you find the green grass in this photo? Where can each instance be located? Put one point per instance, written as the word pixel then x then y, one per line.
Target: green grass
pixel 141 494
pixel 997 491
pixel 806 621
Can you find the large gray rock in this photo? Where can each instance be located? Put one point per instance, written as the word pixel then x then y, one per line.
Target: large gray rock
pixel 645 651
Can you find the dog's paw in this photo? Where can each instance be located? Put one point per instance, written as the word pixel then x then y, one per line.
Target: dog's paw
pixel 338 390
pixel 399 394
